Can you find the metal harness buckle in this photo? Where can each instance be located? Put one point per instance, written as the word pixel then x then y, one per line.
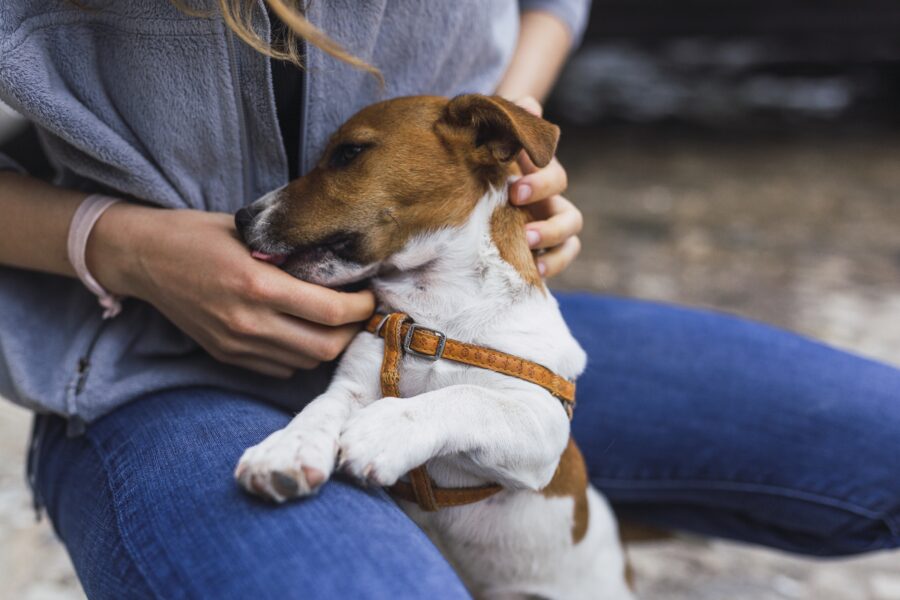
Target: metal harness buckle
pixel 438 352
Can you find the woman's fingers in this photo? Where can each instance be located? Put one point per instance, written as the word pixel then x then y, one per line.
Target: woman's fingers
pixel 556 260
pixel 559 222
pixel 318 342
pixel 563 221
pixel 283 339
pixel 288 323
pixel 310 301
pixel 238 353
pixel 538 184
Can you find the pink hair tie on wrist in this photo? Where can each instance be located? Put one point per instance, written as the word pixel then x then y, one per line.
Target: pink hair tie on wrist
pixel 83 221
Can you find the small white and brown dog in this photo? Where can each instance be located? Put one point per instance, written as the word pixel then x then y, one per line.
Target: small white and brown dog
pixel 412 194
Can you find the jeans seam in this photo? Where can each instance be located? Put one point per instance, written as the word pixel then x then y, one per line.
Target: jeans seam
pixel 126 542
pixel 769 489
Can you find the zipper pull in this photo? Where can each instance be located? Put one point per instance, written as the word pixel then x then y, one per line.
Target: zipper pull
pixel 75 425
pixel 84 365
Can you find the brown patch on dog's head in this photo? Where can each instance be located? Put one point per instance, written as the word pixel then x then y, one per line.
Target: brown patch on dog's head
pixel 503 129
pixel 395 170
pixel 571 479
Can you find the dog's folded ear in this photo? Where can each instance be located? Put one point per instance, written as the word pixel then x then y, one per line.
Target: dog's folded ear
pixel 503 129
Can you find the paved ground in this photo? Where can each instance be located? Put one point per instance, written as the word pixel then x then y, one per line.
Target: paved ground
pixel 801 232
pixel 33 565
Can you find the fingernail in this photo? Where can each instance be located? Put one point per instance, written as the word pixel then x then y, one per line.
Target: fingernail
pixel 542 268
pixel 523 194
pixel 533 237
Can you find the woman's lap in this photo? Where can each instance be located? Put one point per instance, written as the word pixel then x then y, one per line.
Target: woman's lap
pixel 700 421
pixel 146 506
pixel 687 419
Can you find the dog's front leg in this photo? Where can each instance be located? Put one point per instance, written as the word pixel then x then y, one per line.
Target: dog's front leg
pixel 297 460
pixel 513 437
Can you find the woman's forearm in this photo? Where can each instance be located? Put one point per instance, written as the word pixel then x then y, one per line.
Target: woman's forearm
pixel 35 224
pixel 35 227
pixel 544 43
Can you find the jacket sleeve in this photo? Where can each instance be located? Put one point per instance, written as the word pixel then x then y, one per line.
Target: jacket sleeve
pixel 574 13
pixel 8 119
pixel 8 164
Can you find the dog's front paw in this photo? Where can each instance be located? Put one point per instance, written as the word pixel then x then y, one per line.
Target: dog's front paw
pixel 287 464
pixel 383 442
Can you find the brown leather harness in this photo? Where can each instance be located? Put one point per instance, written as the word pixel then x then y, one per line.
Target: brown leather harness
pixel 402 336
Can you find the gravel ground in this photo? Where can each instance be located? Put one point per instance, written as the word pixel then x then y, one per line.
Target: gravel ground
pixel 800 232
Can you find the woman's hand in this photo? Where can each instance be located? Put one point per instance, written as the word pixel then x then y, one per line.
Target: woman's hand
pixel 191 266
pixel 557 222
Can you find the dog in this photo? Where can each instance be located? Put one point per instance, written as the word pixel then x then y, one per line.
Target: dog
pixel 411 195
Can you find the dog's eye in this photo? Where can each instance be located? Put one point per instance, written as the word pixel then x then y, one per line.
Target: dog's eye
pixel 344 154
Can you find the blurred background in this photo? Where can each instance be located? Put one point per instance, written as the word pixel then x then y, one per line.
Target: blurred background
pixel 745 157
pixel 734 155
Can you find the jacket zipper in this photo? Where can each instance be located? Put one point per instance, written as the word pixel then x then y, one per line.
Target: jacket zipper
pixel 76 424
pixel 304 110
pixel 242 125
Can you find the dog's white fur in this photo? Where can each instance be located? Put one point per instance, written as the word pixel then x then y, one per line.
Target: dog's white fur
pixel 472 426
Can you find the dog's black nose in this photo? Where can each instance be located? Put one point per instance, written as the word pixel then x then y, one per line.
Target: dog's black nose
pixel 242 220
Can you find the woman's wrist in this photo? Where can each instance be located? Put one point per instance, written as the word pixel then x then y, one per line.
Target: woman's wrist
pixel 542 48
pixel 115 248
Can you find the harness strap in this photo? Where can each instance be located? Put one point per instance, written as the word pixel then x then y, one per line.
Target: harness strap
pixel 434 345
pixel 420 488
pixel 402 336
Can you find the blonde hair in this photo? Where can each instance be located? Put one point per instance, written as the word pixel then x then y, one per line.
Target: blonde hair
pixel 239 16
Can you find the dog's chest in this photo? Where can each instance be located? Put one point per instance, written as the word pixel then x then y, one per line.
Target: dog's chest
pixel 419 375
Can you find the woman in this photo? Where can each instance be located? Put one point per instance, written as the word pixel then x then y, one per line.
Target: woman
pixel 687 420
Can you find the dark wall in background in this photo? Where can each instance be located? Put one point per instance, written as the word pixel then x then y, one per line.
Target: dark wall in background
pixel 736 64
pixel 652 19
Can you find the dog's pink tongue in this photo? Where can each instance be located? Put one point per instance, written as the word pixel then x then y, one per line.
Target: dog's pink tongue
pixel 275 259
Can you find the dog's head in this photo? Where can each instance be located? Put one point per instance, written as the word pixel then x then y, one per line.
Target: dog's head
pixel 395 170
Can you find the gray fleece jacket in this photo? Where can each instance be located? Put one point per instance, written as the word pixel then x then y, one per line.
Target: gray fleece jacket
pixel 138 100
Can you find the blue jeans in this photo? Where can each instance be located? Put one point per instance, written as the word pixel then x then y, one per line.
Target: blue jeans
pixel 688 420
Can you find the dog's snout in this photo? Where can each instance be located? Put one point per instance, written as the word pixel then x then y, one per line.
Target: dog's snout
pixel 242 220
